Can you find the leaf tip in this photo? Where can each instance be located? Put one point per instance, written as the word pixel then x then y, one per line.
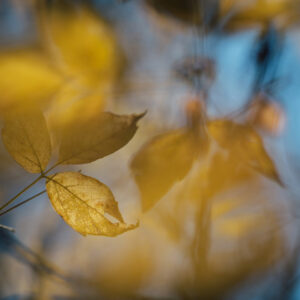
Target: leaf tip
pixel 137 117
pixel 279 181
pixel 132 226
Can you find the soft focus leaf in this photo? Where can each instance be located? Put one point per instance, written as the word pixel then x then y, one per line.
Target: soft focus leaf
pixel 26 138
pixel 218 173
pixel 72 104
pixel 84 46
pixel 93 138
pixel 238 158
pixel 252 13
pixel 26 77
pixel 226 170
pixel 162 162
pixel 83 202
pixel 245 145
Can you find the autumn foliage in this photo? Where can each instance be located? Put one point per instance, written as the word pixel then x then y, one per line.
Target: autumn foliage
pixel 189 205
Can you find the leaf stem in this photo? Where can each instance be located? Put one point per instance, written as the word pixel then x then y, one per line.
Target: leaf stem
pixel 28 186
pixel 50 169
pixel 21 192
pixel 23 202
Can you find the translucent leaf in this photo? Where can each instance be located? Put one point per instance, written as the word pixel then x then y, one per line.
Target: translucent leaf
pixel 252 13
pixel 84 45
pixel 226 170
pixel 26 138
pixel 83 202
pixel 162 162
pixel 26 77
pixel 90 139
pixel 244 145
pixel 72 104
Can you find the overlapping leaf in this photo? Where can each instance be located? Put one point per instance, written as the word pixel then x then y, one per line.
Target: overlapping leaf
pixel 83 45
pixel 26 77
pixel 253 13
pixel 93 138
pixel 244 145
pixel 72 104
pixel 26 138
pixel 167 159
pixel 162 162
pixel 84 204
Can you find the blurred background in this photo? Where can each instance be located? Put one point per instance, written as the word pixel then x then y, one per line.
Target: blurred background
pixel 238 59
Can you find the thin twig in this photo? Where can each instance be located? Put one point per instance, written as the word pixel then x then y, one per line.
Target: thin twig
pixel 21 192
pixel 51 168
pixel 21 203
pixel 28 186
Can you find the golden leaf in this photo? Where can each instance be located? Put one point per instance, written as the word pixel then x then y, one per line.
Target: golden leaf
pixel 93 138
pixel 72 104
pixel 26 77
pixel 162 162
pixel 225 172
pixel 83 45
pixel 244 145
pixel 83 202
pixel 252 13
pixel 26 138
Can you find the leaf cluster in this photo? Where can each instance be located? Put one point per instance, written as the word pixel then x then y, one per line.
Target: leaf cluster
pixel 169 157
pixel 82 201
pixel 76 61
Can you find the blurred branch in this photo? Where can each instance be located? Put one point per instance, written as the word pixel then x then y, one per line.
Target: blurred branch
pixel 7 228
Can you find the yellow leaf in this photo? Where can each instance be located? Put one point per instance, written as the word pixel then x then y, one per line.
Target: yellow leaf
pixel 244 145
pixel 226 171
pixel 252 13
pixel 72 104
pixel 90 139
pixel 26 138
pixel 232 14
pixel 26 77
pixel 83 202
pixel 162 162
pixel 84 46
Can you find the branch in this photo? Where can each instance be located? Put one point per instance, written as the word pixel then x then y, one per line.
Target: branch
pixel 21 203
